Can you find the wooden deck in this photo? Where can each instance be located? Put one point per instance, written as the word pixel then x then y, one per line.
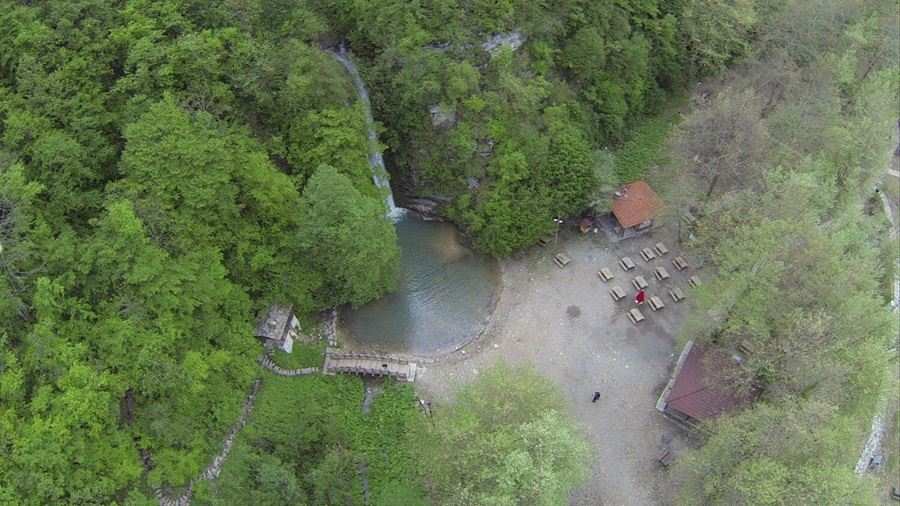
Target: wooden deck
pixel 369 364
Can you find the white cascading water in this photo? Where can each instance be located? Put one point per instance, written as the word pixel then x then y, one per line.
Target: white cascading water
pixel 445 292
pixel 376 161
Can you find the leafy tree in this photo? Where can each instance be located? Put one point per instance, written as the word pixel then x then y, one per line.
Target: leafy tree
pixel 505 441
pixel 725 142
pixel 349 241
pixel 569 170
pixel 798 265
pixel 772 452
pixel 716 32
pixel 795 319
pixel 338 138
pixel 335 480
pixel 218 191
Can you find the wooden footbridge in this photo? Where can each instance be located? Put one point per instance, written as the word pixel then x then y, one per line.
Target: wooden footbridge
pixel 369 364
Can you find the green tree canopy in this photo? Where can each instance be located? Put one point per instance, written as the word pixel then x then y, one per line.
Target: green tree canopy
pixel 506 440
pixel 348 240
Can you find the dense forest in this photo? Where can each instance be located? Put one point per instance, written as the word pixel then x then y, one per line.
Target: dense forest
pixel 782 156
pixel 169 168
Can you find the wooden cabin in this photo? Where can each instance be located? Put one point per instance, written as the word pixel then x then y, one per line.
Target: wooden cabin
pixel 278 328
pixel 635 206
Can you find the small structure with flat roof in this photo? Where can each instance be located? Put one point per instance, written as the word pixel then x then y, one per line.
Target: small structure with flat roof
pixel 279 327
pixel 634 207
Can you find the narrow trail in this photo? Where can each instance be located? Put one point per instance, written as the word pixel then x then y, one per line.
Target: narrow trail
pixel 267 363
pixel 215 467
pixel 374 388
pixel 872 447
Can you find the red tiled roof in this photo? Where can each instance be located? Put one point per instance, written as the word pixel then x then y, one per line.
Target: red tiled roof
pixel 695 393
pixel 638 204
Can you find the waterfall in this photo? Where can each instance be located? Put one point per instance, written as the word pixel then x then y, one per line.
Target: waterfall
pixel 376 161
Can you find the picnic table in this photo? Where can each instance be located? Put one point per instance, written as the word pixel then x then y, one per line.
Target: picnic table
pixel 635 316
pixel 616 293
pixel 639 283
pixel 562 260
pixel 665 457
pixel 626 264
pixel 661 273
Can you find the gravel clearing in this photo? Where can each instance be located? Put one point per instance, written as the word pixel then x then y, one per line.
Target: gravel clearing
pixel 597 350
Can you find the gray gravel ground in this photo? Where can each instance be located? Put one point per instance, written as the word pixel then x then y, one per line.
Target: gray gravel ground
pixel 599 349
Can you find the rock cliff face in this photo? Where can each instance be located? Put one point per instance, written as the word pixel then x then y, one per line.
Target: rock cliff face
pixel 495 44
pixel 427 207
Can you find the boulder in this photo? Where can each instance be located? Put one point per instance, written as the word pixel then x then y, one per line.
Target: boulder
pixel 442 116
pixel 495 44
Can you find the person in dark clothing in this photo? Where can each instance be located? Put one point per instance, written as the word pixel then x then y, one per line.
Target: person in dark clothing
pixel 596 396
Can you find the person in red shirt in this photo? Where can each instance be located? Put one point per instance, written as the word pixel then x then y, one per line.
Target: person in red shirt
pixel 640 297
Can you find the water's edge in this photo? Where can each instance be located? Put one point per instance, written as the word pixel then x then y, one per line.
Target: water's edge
pixel 447 291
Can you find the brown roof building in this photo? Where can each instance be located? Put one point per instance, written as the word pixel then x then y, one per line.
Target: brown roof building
pixel 695 393
pixel 635 205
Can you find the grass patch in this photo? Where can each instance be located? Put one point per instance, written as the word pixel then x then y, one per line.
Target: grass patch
pixel 307 441
pixel 645 146
pixel 303 355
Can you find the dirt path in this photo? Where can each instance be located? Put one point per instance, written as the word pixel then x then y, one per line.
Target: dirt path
pixel 887 404
pixel 598 350
pixel 213 470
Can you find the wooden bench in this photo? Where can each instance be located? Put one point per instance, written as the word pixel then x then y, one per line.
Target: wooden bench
pixel 661 249
pixel 680 263
pixel 635 316
pixel 639 283
pixel 745 347
pixel 647 254
pixel 676 294
pixel 626 264
pixel 665 458
pixel 616 293
pixel 694 281
pixel 543 241
pixel 656 303
pixel 605 274
pixel 661 273
pixel 561 260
